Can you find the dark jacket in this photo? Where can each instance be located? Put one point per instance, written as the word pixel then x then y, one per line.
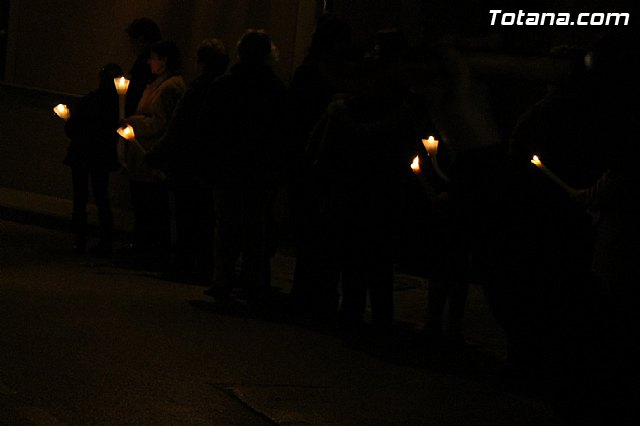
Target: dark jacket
pixel 242 125
pixel 92 130
pixel 178 154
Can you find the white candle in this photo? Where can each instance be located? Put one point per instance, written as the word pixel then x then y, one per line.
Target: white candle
pixel 562 184
pixel 62 111
pixel 122 85
pixel 431 145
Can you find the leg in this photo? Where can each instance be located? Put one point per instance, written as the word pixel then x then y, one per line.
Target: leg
pixel 227 236
pixel 255 201
pixel 100 186
pixel 80 180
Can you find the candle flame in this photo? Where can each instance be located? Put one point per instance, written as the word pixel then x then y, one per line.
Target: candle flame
pixel 122 84
pixel 431 145
pixel 535 160
pixel 62 111
pixel 127 132
pixel 415 165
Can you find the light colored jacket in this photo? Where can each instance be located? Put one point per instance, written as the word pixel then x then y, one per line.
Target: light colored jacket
pixel 150 122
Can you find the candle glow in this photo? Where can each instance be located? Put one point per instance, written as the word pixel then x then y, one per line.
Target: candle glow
pixel 62 111
pixel 536 161
pixel 415 165
pixel 562 184
pixel 431 145
pixel 127 132
pixel 426 186
pixel 122 85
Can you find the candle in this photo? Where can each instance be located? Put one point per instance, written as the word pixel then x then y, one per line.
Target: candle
pixel 562 184
pixel 127 132
pixel 62 111
pixel 431 145
pixel 122 85
pixel 415 166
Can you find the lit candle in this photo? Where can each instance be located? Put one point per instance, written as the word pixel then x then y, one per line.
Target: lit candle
pixel 431 145
pixel 122 85
pixel 62 111
pixel 127 132
pixel 415 166
pixel 562 184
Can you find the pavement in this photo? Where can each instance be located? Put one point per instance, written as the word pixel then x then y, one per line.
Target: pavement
pixel 139 350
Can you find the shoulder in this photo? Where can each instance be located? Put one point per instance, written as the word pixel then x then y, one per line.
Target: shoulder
pixel 175 82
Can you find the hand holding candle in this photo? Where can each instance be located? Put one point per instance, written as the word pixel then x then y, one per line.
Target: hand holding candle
pixel 122 85
pixel 62 111
pixel 562 184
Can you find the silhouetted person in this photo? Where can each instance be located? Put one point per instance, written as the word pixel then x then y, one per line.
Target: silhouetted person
pixel 608 382
pixel 550 233
pixel 474 232
pixel 92 157
pixel 243 125
pixel 180 156
pixel 315 82
pixel 142 32
pixel 149 191
pixel 363 152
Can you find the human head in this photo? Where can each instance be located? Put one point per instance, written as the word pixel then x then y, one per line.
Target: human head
pixel 254 47
pixel 331 38
pixel 212 56
pixel 142 33
pixel 108 73
pixel 165 56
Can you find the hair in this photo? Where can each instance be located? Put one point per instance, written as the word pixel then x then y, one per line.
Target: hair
pixel 212 56
pixel 330 31
pixel 144 28
pixel 168 50
pixel 108 73
pixel 254 47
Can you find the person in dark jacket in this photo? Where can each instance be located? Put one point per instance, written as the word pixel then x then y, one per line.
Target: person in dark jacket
pixel 242 123
pixel 92 157
pixel 178 156
pixel 314 292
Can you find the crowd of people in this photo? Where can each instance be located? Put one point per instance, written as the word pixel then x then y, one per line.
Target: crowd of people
pixel 559 269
